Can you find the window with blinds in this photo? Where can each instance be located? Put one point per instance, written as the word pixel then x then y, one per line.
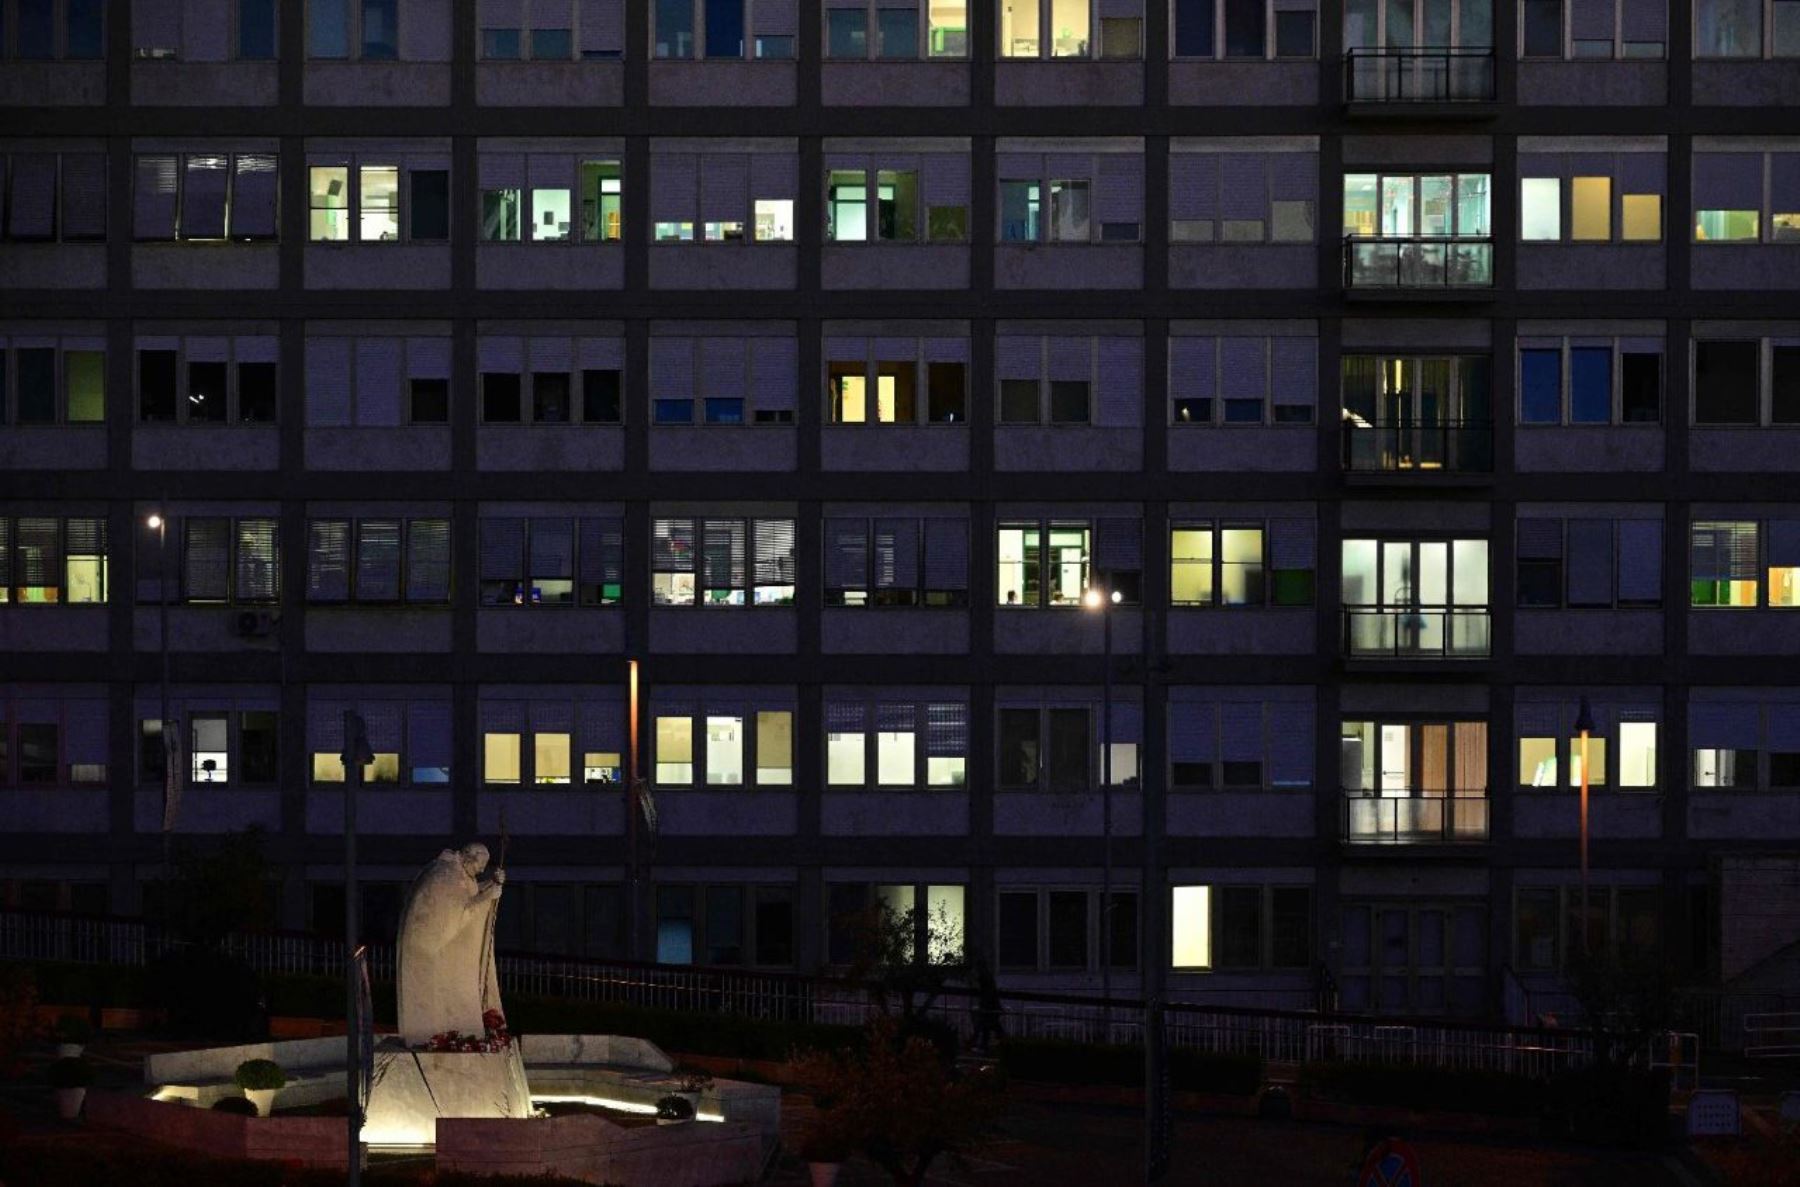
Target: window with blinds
pixel 1242 563
pixel 53 197
pixel 1244 199
pixel 378 560
pixel 876 742
pixel 1071 197
pixel 50 379
pixel 896 381
pixel 1243 380
pixel 551 561
pixel 896 562
pixel 896 30
pixel 556 31
pixel 723 197
pixel 47 561
pixel 205 197
pixel 1722 563
pixel 1589 563
pixel 723 381
pixel 722 562
pixel 207 380
pixel 762 29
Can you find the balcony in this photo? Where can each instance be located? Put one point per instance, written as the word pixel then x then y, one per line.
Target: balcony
pixel 1417 632
pixel 1423 75
pixel 1436 263
pixel 1415 818
pixel 1454 447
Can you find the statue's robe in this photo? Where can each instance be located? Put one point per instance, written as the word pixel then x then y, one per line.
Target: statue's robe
pixel 447 978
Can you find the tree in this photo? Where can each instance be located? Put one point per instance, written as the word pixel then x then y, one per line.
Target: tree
pixel 221 888
pixel 909 957
pixel 899 1101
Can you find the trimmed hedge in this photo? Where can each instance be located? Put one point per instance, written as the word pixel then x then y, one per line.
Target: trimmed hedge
pixel 1432 1089
pixel 1060 1061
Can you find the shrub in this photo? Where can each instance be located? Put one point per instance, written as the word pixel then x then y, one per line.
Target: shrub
pixel 18 1016
pixel 73 1028
pixel 234 1104
pixel 1414 1086
pixel 254 1074
pixel 1611 1105
pixel 1058 1061
pixel 71 1073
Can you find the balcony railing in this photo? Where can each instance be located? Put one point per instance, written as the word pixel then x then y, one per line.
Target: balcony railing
pixel 1418 262
pixel 1423 75
pixel 1452 446
pixel 1416 632
pixel 1415 818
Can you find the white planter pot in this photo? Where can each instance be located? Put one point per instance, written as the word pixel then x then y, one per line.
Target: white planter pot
pixel 69 1050
pixel 263 1099
pixel 68 1102
pixel 824 1174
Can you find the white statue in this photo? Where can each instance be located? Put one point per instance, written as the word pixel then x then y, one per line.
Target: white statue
pixel 446 976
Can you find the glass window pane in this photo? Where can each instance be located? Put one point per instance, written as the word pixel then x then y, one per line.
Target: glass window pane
pixel 500 758
pixel 846 33
pixel 675 750
pixel 774 747
pixel 1540 214
pixel 550 758
pixel 724 751
pixel 1590 208
pixel 1190 919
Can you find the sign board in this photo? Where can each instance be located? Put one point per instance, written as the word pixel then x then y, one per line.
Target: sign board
pixel 1713 1112
pixel 1391 1163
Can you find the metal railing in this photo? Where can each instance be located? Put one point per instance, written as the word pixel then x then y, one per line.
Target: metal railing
pixel 1427 74
pixel 1418 262
pixel 1279 1028
pixel 1417 632
pixel 1380 818
pixel 1448 446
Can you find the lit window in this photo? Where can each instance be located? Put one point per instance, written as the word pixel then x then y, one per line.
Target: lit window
pixel 1590 208
pixel 550 758
pixel 500 758
pixel 1723 564
pixel 847 206
pixel 1596 747
pixel 549 215
pixel 1637 754
pixel 330 202
pixel 1241 566
pixel 210 754
pixel 602 766
pixel 1191 566
pixel 774 747
pixel 774 220
pixel 1727 226
pixel 675 750
pixel 601 202
pixel 379 204
pixel 1540 216
pixel 1537 762
pixel 1640 217
pixel 500 211
pixel 1190 920
pixel 896 740
pixel 1019 211
pixel 724 751
pixel 844 745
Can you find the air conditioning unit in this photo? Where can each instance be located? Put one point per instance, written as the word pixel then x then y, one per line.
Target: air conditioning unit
pixel 255 624
pixel 155 53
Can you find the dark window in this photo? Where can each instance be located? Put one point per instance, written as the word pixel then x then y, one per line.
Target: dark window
pixel 430 401
pixel 724 28
pixel 602 919
pixel 1293 34
pixel 947 385
pixel 724 925
pixel 430 205
pixel 1068 401
pixel 37 385
pixel 36 29
pixel 1290 927
pixel 257 747
pixel 1068 929
pixel 1018 401
pixel 1640 381
pixel 1240 927
pixel 380 39
pixel 1784 379
pixel 1018 929
pixel 156 384
pixel 1193 28
pixel 1191 774
pixel 501 45
pixel 1543 28
pixel 1725 383
pixel 601 401
pixel 256 30
pixel 674 28
pixel 845 908
pixel 206 393
pixel 1240 774
pixel 1784 770
pixel 256 393
pixel 84 29
pixel 1069 763
pixel 846 33
pixel 1019 748
pixel 1540 583
pixel 1535 930
pixel 1243 28
pixel 774 926
pixel 37 752
pixel 151 756
pixel 1124 924
pixel 550 397
pixel 500 398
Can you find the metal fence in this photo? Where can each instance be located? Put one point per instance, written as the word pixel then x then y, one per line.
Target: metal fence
pixel 1277 1035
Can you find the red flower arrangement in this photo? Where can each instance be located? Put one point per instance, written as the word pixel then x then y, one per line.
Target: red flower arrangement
pixel 496 1038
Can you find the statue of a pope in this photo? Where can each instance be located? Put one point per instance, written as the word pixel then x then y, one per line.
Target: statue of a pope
pixel 446 976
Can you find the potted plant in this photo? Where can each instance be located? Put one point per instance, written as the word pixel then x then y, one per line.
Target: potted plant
pixel 826 1147
pixel 261 1079
pixel 71 1079
pixel 73 1032
pixel 674 1109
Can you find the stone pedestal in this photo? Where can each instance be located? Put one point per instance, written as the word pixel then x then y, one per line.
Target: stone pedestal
pixel 412 1089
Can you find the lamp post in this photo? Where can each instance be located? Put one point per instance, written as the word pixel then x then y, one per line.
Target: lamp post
pixel 633 907
pixel 1103 601
pixel 356 754
pixel 171 776
pixel 1584 725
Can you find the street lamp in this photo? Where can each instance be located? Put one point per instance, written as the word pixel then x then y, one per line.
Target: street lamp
pixel 156 522
pixel 1584 725
pixel 1103 601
